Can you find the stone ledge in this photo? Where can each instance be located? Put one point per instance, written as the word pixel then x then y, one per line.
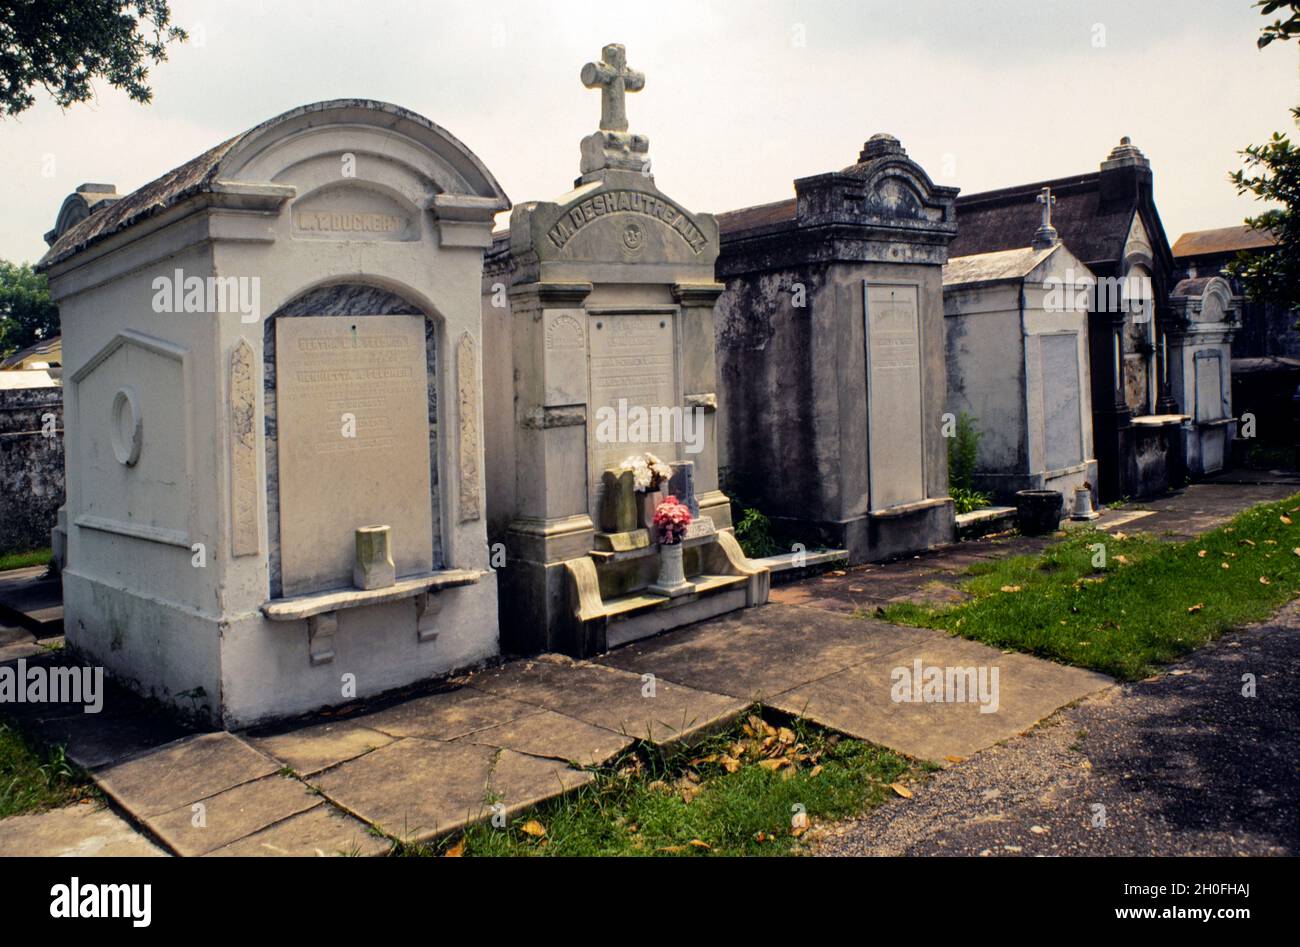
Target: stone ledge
pixel 788 561
pixel 319 603
pixel 906 509
pixel 1159 420
pixel 982 522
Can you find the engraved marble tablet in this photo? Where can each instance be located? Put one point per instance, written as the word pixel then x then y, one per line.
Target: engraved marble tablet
pixel 894 395
pixel 352 400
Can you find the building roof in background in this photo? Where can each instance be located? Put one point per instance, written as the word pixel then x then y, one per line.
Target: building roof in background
pixel 993 267
pixel 1006 219
pixel 27 378
pixel 760 215
pixel 1222 240
pixel 44 347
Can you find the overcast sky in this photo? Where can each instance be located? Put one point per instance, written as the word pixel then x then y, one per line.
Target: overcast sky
pixel 741 96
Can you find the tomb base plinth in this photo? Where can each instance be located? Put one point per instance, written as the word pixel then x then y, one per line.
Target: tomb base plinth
pixel 612 600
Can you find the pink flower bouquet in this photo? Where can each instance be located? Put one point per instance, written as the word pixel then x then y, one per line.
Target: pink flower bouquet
pixel 671 519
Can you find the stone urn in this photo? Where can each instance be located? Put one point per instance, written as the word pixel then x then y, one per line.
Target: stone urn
pixel 1038 512
pixel 672 572
pixel 1083 504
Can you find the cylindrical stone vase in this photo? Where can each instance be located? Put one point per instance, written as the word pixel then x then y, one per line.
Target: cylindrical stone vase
pixel 672 572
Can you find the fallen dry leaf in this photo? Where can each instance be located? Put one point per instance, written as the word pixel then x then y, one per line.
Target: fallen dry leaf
pixel 1286 520
pixel 1263 580
pixel 773 765
pixel 699 843
pixel 534 828
pixel 955 759
pixel 785 735
pixel 456 851
pixel 1195 608
pixel 815 770
pixel 1225 565
pixel 1202 554
pixel 1011 588
pixel 901 790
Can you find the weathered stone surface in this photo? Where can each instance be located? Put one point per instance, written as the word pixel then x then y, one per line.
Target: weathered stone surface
pixel 183 772
pixel 859 701
pixel 446 716
pixel 17 643
pixel 322 831
pixel 762 652
pixel 311 749
pixel 611 698
pixel 79 831
pixel 553 735
pixel 519 781
pixel 244 512
pixel 231 815
pixel 467 409
pixel 32 598
pixel 96 740
pixel 31 466
pixel 618 502
pixel 413 789
pixel 373 568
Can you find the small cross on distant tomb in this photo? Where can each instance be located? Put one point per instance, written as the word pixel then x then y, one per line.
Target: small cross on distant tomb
pixel 1047 199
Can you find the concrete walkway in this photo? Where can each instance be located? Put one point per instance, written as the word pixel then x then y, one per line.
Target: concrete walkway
pixel 417 766
pixel 1183 763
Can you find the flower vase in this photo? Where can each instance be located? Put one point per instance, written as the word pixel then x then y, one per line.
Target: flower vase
pixel 672 572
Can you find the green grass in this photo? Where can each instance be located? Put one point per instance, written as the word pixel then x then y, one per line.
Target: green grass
pixel 1152 601
pixel 33 780
pixel 21 560
pixel 640 807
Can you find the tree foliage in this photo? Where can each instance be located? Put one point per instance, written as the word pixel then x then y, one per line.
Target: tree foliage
pixel 1272 174
pixel 62 45
pixel 26 314
pixel 1279 28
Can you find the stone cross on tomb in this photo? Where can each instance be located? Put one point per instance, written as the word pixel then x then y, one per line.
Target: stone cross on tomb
pixel 615 79
pixel 1047 200
pixel 1046 236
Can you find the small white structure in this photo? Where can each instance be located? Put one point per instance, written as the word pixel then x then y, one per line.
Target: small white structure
pixel 1204 318
pixel 1017 353
pixel 265 350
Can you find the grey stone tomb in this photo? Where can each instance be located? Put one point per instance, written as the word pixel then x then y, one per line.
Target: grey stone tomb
pixel 599 347
pixel 831 359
